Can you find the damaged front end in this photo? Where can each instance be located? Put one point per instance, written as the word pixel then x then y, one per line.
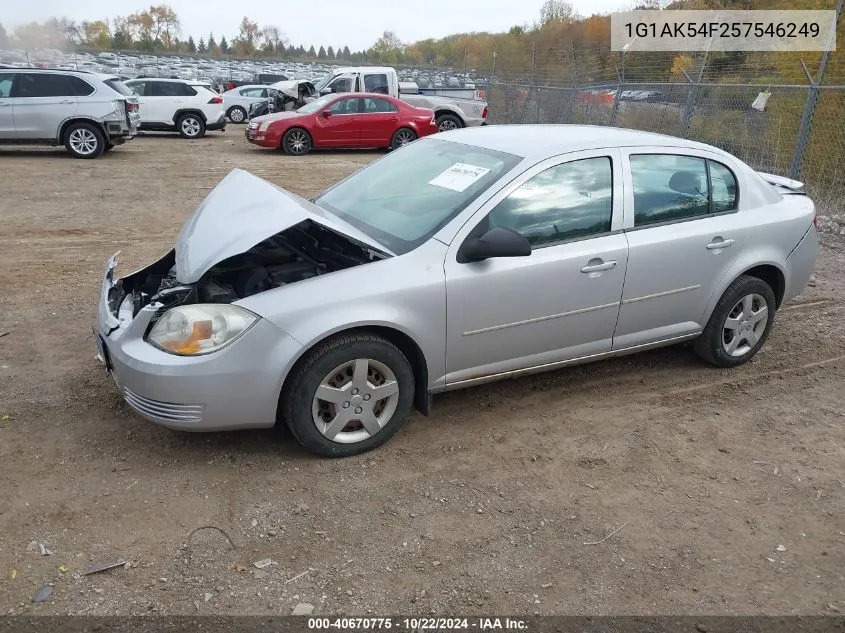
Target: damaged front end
pixel 301 252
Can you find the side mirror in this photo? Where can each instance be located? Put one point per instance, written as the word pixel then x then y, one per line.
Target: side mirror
pixel 497 242
pixel 326 114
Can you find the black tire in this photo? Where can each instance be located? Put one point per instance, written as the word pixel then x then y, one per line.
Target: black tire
pixel 237 114
pixel 317 365
pixel 446 122
pixel 712 344
pixel 402 137
pixel 296 142
pixel 190 125
pixel 84 140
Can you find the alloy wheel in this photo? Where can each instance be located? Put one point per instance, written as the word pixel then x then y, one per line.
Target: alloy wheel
pixel 355 401
pixel 190 126
pixel 403 137
pixel 745 325
pixel 297 142
pixel 447 124
pixel 83 141
pixel 237 115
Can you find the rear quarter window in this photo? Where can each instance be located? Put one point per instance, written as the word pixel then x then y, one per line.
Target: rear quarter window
pixel 80 87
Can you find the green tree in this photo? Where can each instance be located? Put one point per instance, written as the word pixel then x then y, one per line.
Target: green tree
pixel 347 54
pixel 311 52
pixel 330 52
pixel 119 41
pixel 96 34
pixel 248 34
pixel 388 48
pixel 191 45
pixel 321 54
pixel 201 46
pixel 224 45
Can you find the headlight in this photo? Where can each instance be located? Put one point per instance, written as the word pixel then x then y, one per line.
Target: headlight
pixel 263 127
pixel 200 329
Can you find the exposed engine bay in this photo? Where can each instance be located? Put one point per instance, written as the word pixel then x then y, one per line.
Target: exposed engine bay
pixel 300 252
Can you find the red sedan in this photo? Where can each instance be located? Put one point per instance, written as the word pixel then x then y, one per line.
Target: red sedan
pixel 343 120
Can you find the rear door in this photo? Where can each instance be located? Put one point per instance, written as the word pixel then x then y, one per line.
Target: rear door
pixel 166 97
pixel 684 234
pixel 7 121
pixel 41 102
pixel 342 126
pixel 379 119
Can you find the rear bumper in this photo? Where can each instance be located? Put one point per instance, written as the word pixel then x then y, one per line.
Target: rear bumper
pixel 219 124
pixel 800 264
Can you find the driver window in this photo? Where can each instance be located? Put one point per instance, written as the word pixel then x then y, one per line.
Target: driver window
pixel 563 202
pixel 341 84
pixel 344 106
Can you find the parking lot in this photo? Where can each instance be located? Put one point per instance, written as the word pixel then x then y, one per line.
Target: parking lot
pixel 648 484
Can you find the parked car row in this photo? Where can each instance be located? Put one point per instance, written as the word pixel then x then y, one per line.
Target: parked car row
pixel 90 113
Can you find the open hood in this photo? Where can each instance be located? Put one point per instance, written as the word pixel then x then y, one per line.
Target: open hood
pixel 290 87
pixel 241 211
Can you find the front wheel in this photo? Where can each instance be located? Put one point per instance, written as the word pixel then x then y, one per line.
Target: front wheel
pixel 349 395
pixel 83 140
pixel 191 126
pixel 740 323
pixel 296 142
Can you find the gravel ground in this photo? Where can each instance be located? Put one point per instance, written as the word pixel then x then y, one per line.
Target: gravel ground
pixel 651 484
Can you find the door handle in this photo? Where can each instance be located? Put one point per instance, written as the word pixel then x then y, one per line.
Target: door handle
pixel 717 243
pixel 3 105
pixel 396 118
pixel 597 268
pixel 66 101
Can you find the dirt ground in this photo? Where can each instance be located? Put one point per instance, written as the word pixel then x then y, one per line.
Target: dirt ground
pixel 652 484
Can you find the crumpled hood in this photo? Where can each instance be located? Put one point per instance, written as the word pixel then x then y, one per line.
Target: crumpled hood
pixel 290 87
pixel 241 211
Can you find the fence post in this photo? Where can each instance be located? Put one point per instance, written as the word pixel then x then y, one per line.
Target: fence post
pixel 692 97
pixel 810 106
pixel 573 71
pixel 614 110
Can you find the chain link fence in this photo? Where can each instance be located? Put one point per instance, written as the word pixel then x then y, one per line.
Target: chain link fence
pixel 719 114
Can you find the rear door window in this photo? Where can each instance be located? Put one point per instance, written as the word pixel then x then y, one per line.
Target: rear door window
pixel 80 88
pixel 171 89
pixel 44 85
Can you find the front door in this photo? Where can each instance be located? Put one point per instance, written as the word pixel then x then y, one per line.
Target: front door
pixel 684 235
pixel 41 102
pixel 164 98
pixel 560 302
pixel 379 120
pixel 7 121
pixel 338 125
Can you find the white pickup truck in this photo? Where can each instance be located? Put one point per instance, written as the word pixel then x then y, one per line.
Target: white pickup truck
pixel 450 112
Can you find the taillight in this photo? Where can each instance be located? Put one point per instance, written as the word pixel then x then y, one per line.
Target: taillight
pixel 131 107
pixel 217 99
pixel 484 114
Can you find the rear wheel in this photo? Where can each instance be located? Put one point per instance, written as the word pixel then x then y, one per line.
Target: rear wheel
pixel 191 126
pixel 446 122
pixel 296 142
pixel 84 140
pixel 237 114
pixel 402 137
pixel 349 395
pixel 740 323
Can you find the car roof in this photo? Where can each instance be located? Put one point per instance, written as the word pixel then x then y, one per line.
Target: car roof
pixel 190 82
pixel 541 141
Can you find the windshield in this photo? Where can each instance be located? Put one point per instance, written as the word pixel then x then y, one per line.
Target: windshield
pixel 404 198
pixel 317 104
pixel 324 81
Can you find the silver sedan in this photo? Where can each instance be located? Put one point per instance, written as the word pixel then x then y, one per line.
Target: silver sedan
pixel 239 100
pixel 462 258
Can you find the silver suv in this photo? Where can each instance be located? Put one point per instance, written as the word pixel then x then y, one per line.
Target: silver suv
pixel 88 113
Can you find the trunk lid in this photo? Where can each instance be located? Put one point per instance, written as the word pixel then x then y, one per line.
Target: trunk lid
pixel 241 211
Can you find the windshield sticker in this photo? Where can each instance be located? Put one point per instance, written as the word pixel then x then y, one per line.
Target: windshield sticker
pixel 459 177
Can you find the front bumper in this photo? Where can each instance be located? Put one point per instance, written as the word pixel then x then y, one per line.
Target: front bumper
pixel 236 387
pixel 267 138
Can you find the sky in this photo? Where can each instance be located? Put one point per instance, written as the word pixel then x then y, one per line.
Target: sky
pixel 353 23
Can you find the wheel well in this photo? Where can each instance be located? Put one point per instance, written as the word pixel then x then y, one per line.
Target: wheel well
pixel 772 276
pixel 67 124
pixel 180 113
pixel 438 113
pixel 406 345
pixel 295 127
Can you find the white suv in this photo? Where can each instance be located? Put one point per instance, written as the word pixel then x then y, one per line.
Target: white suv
pixel 180 105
